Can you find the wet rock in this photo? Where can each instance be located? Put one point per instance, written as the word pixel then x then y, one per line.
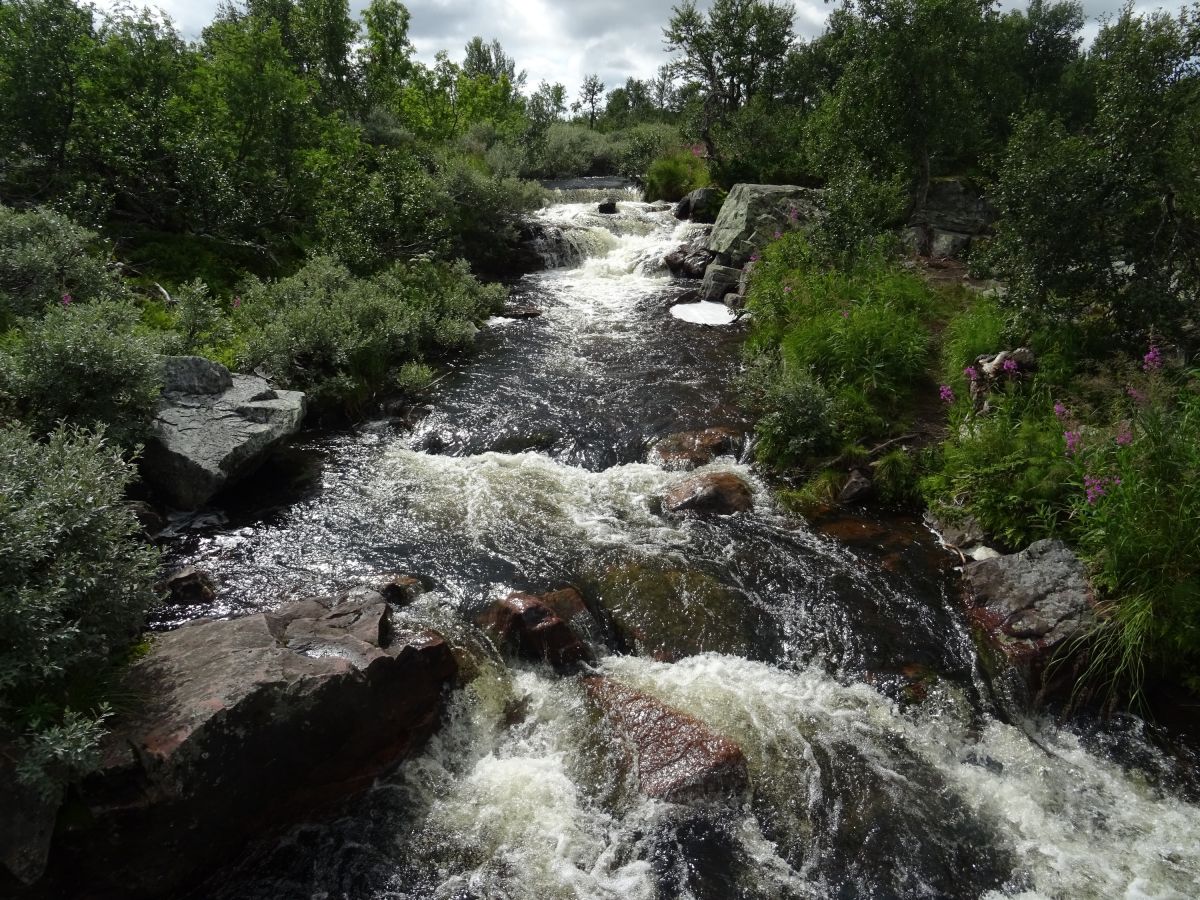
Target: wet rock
pixel 520 311
pixel 400 590
pixel 753 213
pixel 534 629
pixel 688 262
pixel 961 534
pixel 188 586
pixel 1032 603
pixel 669 613
pixel 709 494
pixel 676 757
pixel 213 428
pixel 691 449
pixel 857 488
pixel 718 281
pixel 701 205
pixel 607 207
pixel 248 724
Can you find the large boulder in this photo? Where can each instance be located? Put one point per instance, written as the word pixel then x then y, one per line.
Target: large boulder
pixel 719 280
pixel 692 449
pixel 540 628
pixel 700 205
pixel 1030 604
pixel 245 725
pixel 709 494
pixel 953 215
pixel 753 213
pixel 675 756
pixel 213 428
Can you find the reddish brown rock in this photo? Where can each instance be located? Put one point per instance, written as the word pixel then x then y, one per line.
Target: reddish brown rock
pixel 690 449
pixel 400 590
pixel 711 494
pixel 538 627
pixel 676 756
pixel 246 725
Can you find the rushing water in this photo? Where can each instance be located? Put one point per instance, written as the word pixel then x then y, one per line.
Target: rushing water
pixel 528 471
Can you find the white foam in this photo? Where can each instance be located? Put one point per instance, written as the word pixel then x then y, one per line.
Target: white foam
pixel 704 313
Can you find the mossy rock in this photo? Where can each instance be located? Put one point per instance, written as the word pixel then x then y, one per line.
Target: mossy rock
pixel 669 613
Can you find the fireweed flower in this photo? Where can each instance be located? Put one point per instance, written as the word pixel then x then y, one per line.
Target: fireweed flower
pixel 1060 411
pixel 1152 361
pixel 1137 396
pixel 945 391
pixel 845 313
pixel 1073 439
pixel 1124 437
pixel 66 299
pixel 778 234
pixel 1010 367
pixel 971 373
pixel 237 302
pixel 1096 486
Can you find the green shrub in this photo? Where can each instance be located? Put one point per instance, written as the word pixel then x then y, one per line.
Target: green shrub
pixel 200 327
pixel 44 256
pixel 1008 468
pixel 569 150
pixel 1135 515
pixel 861 335
pixel 635 149
pixel 796 413
pixel 339 337
pixel 675 176
pixel 86 365
pixel 75 588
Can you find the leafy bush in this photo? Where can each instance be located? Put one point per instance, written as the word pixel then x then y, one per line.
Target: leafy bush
pixel 796 413
pixel 862 334
pixel 1135 514
pixel 673 177
pixel 1008 469
pixel 572 150
pixel 636 148
pixel 200 326
pixel 339 337
pixel 44 256
pixel 85 364
pixel 76 585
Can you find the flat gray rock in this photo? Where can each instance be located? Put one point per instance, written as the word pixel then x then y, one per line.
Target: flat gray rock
pixel 212 428
pixel 1030 603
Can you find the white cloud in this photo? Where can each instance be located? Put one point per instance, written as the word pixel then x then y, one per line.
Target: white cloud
pixel 553 40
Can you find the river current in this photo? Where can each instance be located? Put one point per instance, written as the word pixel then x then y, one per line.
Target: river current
pixel 529 470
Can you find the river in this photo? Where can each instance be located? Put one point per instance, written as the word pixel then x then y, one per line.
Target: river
pixel 528 470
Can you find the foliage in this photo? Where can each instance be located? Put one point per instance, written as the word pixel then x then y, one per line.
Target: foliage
pixel 44 258
pixel 1104 223
pixel 860 335
pixel 1135 507
pixel 86 365
pixel 339 337
pixel 673 177
pixel 76 586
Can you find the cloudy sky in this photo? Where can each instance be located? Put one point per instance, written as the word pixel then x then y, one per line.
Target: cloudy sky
pixel 555 40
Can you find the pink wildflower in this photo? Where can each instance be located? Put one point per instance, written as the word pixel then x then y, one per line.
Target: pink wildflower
pixel 1137 396
pixel 945 391
pixel 1124 437
pixel 1152 361
pixel 1096 486
pixel 1060 411
pixel 971 373
pixel 1074 440
pixel 66 299
pixel 1010 367
pixel 237 302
